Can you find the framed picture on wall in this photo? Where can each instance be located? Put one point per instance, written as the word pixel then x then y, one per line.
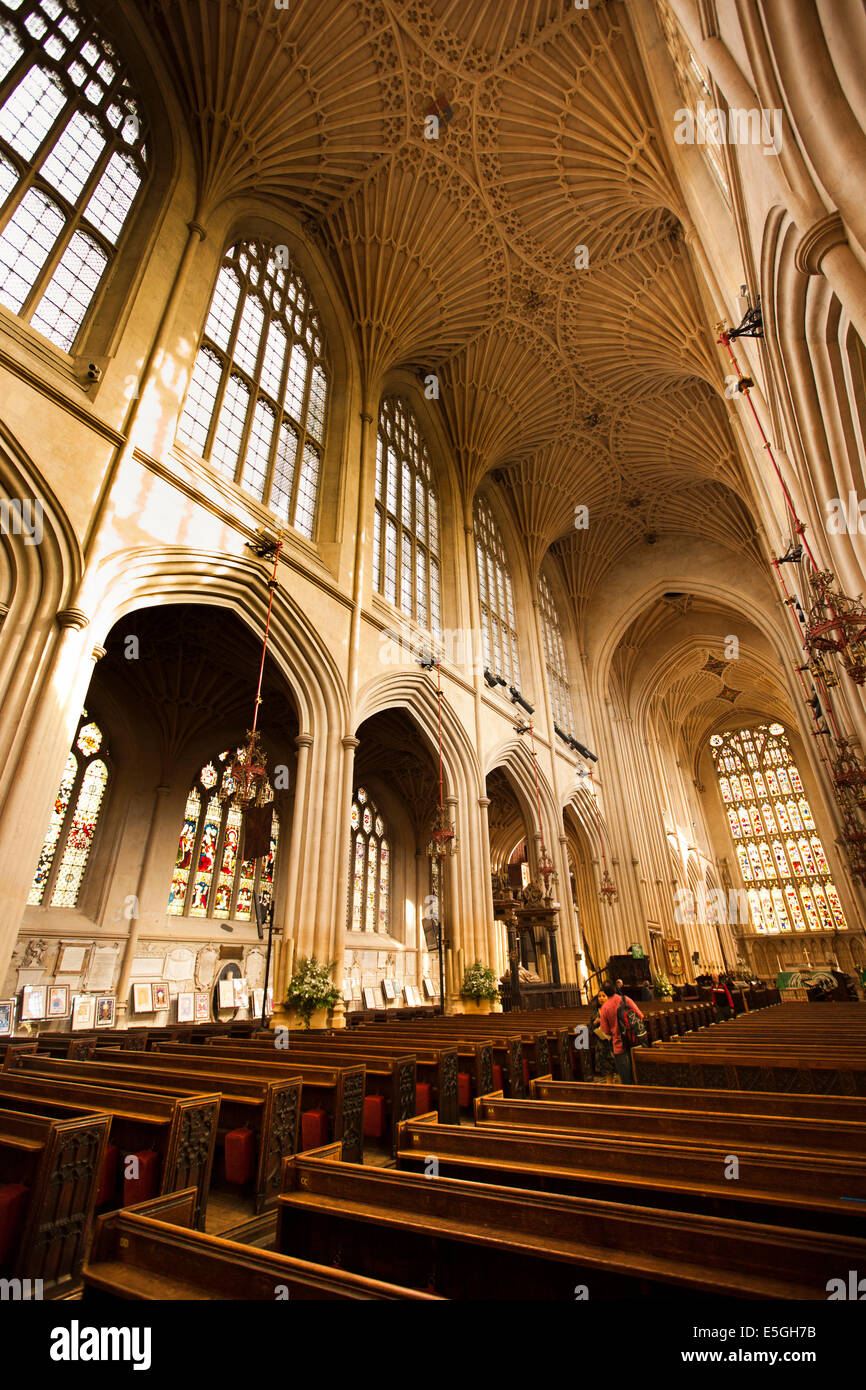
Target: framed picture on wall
pixel 58 1001
pixel 427 984
pixel 142 999
pixel 160 995
pixel 7 1017
pixel 389 991
pixel 258 1002
pixel 226 993
pixel 202 1008
pixel 674 956
pixel 83 1011
pixel 186 1007
pixel 33 1002
pixel 106 1006
pixel 369 996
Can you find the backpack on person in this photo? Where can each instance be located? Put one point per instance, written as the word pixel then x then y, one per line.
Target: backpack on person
pixel 632 1029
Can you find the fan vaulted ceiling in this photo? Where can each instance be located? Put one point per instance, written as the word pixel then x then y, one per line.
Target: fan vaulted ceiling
pixel 598 386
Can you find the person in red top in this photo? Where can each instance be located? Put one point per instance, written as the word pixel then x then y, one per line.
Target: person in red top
pixel 610 1025
pixel 722 997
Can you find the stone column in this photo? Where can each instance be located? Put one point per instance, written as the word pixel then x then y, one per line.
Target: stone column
pixel 123 983
pixel 300 812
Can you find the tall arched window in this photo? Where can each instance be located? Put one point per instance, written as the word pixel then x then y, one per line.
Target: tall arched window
pixel 406 521
pixel 498 628
pixel 256 403
pixel 72 161
pixel 778 849
pixel 370 885
pixel 210 879
pixel 695 87
pixel 554 659
pixel 69 838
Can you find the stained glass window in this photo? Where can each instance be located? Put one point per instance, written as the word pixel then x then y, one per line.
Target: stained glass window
pixel 406 521
pixel 256 405
pixel 370 883
pixel 209 878
pixel 498 627
pixel 768 825
pixel 72 825
pixel 72 162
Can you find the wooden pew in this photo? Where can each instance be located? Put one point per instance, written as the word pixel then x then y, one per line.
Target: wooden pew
pixel 437 1066
pixel 393 1077
pixel 469 1241
pixel 477 1055
pixel 50 1170
pixel 773 1186
pixel 802 1072
pixel 149 1252
pixel 732 1132
pixel 339 1091
pixel 181 1129
pixel 827 1108
pixel 269 1108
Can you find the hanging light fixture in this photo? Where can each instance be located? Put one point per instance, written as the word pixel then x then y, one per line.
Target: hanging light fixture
pixel 607 888
pixel 546 871
pixel 443 840
pixel 245 783
pixel 836 625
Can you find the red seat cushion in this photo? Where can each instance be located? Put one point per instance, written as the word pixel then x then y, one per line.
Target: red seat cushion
pixel 423 1098
pixel 108 1177
pixel 143 1186
pixel 497 1077
pixel 314 1129
pixel 240 1155
pixel 464 1092
pixel 13 1208
pixel 525 1072
pixel 374 1117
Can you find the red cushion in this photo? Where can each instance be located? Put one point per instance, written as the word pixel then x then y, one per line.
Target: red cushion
pixel 464 1093
pixel 240 1155
pixel 497 1077
pixel 143 1187
pixel 108 1177
pixel 13 1206
pixel 525 1072
pixel 374 1117
pixel 314 1129
pixel 423 1098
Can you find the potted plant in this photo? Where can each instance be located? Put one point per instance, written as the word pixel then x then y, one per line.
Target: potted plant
pixel 662 987
pixel 311 994
pixel 479 991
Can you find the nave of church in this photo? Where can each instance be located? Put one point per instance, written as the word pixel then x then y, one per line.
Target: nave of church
pixel 432 505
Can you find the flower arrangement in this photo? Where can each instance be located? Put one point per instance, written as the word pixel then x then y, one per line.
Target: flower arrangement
pixel 479 982
pixel 311 988
pixel 662 987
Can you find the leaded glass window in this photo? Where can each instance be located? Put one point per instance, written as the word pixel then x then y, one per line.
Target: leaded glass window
pixel 781 857
pixel 256 405
pixel 498 626
pixel 72 162
pixel 370 875
pixel 554 659
pixel 72 826
pixel 406 521
pixel 210 879
pixel 697 92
